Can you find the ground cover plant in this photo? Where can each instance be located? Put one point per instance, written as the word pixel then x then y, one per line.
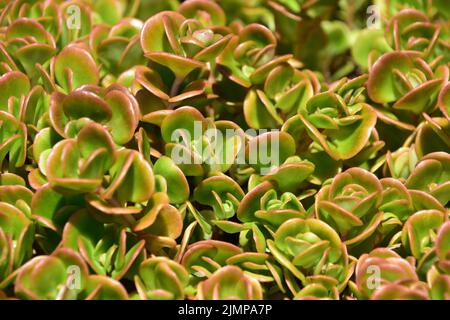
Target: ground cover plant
pixel 224 149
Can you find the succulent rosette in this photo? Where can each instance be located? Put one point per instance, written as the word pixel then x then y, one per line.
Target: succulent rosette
pixel 105 248
pixel 222 193
pixel 99 171
pixel 306 148
pixel 229 283
pixel 181 45
pixel 271 157
pixel 433 135
pixel 130 184
pixel 407 81
pixel 273 211
pixel 273 195
pixel 122 38
pixel 92 153
pixel 198 145
pixel 260 212
pixel 353 92
pixel 379 269
pixel 432 175
pixel 341 130
pixel 269 150
pixel 203 258
pixel 249 57
pixel 313 252
pixel 399 205
pixel 265 205
pixel 285 90
pixel 160 278
pixel 350 204
pixel 27 41
pixel 53 281
pixel 419 234
pixel 113 107
pixel 400 163
pixel 206 149
pixel 63 275
pixel 412 30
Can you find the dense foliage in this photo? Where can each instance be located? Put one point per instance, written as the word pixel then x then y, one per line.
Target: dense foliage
pixel 94 206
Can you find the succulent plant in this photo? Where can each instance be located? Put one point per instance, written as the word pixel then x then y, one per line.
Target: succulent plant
pixel 198 146
pixel 432 175
pixel 54 279
pixel 64 276
pixel 229 283
pixel 380 268
pixel 250 56
pixel 285 91
pixel 161 278
pixel 13 135
pixel 400 163
pixel 118 47
pixel 404 78
pixel 29 43
pixel 420 230
pixel 179 44
pixel 206 149
pixel 350 204
pixel 74 67
pixel 402 290
pixel 16 227
pixel 106 249
pixel 203 258
pixel 114 107
pixel 440 288
pixel 221 193
pixel 91 155
pixel 432 136
pixel 313 252
pixel 341 130
pixel 442 250
pixel 413 31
